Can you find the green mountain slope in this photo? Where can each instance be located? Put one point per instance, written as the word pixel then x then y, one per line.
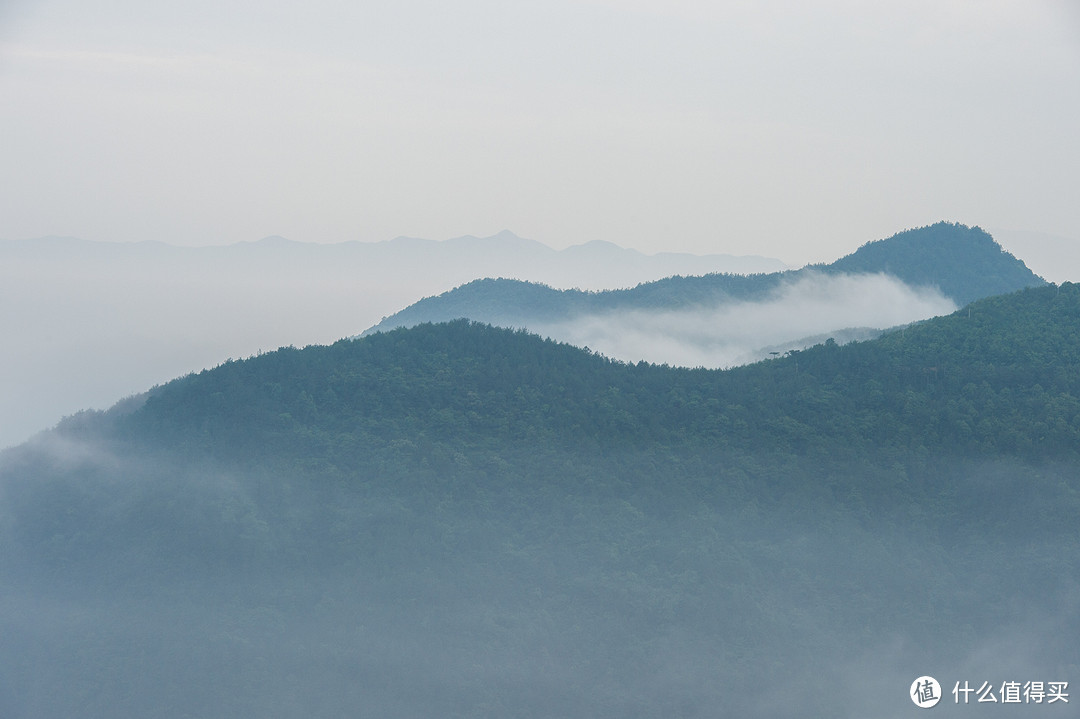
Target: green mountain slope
pixel 964 263
pixel 460 520
pixel 473 384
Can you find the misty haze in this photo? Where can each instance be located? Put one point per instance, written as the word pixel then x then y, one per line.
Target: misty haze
pixel 460 520
pixel 741 332
pixel 599 360
pixel 87 323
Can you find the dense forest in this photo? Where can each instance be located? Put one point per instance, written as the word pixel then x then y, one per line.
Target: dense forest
pixel 964 263
pixel 464 521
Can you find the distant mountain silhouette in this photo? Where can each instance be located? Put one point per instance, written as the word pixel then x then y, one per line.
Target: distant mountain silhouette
pixel 136 314
pixel 961 263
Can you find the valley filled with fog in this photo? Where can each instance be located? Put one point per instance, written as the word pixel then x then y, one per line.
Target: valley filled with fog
pixel 797 315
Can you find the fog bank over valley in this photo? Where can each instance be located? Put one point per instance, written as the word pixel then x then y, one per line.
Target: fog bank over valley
pixel 799 313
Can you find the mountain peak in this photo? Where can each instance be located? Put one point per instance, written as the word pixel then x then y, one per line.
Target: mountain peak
pixel 274 241
pixel 966 263
pixel 504 239
pixel 963 263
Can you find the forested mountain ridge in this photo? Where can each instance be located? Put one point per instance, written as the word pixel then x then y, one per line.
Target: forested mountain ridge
pixel 96 320
pixel 963 263
pixel 467 521
pixel 474 383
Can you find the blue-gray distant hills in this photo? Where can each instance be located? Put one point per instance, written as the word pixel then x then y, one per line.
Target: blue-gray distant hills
pixel 89 321
pixel 946 261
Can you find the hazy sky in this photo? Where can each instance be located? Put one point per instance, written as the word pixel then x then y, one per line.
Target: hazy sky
pixel 793 129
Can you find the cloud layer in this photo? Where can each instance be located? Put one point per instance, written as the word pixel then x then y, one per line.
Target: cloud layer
pixel 740 332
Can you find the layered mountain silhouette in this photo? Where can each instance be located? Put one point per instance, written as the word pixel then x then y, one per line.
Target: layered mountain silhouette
pixel 462 520
pixel 107 319
pixel 946 261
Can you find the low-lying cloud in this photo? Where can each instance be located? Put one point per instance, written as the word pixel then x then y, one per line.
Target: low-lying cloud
pixel 798 314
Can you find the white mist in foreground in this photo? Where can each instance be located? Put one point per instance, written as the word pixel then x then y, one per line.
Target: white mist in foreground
pixel 740 332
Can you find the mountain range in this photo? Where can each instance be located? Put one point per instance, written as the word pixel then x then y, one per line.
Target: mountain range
pixel 911 275
pixel 460 520
pixel 92 321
